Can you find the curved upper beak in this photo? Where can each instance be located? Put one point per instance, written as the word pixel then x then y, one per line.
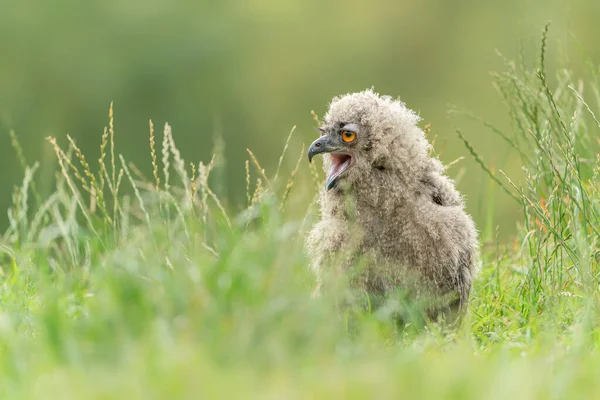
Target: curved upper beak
pixel 324 144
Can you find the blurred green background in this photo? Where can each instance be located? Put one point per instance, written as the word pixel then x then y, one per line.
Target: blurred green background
pixel 253 69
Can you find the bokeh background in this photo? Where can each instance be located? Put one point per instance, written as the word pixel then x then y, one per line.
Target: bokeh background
pixel 250 70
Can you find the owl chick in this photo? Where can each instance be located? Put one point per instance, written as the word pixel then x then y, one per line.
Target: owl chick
pixel 390 218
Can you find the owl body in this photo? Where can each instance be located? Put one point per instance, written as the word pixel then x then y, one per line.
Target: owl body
pixel 390 219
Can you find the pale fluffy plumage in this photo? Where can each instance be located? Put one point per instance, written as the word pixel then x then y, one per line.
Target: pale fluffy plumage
pixel 394 209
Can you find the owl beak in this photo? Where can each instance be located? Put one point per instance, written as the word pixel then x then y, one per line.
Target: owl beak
pixel 324 144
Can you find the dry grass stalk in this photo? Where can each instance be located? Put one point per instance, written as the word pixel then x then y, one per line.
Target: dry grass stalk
pixel 153 154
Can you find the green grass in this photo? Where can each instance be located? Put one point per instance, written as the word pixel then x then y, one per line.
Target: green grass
pixel 120 286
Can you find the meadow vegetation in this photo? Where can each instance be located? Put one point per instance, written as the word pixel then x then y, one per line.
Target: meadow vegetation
pixel 120 285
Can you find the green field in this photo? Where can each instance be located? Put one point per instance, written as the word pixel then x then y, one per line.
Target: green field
pixel 120 285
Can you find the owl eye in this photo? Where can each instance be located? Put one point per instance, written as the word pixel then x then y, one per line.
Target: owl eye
pixel 348 136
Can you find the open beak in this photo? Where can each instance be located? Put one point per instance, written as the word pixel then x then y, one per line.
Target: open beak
pixel 340 161
pixel 324 144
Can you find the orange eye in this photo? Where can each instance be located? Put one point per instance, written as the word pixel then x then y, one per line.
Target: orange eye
pixel 348 136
